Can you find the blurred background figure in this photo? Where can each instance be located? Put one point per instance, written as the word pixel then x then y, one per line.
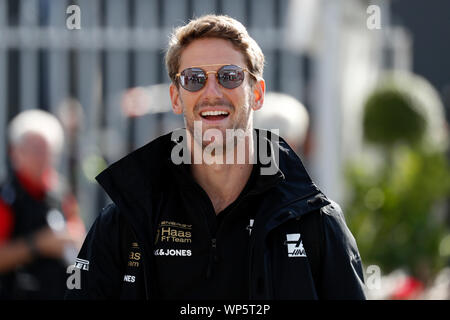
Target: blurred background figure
pixel 284 112
pixel 40 229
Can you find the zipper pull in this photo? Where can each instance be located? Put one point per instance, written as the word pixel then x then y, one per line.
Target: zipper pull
pixel 212 257
pixel 214 249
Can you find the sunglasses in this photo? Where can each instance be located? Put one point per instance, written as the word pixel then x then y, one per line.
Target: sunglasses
pixel 229 76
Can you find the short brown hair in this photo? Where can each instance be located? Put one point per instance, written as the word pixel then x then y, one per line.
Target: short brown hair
pixel 214 26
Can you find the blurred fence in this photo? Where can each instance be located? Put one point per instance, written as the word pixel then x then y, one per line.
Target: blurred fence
pixel 120 45
pixel 320 52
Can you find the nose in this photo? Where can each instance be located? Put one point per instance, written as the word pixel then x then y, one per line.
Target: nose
pixel 212 87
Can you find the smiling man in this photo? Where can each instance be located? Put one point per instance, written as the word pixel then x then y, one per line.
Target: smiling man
pixel 185 227
pixel 217 106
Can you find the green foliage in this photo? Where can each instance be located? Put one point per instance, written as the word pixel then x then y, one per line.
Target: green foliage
pixel 390 118
pixel 391 211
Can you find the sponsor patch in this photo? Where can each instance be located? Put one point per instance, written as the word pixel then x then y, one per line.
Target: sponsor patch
pixel 173 252
pixel 82 264
pixel 294 245
pixel 174 232
pixel 129 278
pixel 133 258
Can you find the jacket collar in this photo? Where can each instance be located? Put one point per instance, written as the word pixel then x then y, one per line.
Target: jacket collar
pixel 133 181
pixel 295 195
pixel 263 181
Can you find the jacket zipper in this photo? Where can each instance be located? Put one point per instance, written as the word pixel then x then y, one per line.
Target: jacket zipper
pixel 213 245
pixel 212 257
pixel 213 250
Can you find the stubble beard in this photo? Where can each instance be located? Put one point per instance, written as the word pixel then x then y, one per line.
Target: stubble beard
pixel 242 121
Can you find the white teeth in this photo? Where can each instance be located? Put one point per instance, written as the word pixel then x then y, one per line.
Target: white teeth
pixel 214 113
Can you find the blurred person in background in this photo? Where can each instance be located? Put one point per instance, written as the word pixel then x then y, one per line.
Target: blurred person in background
pixel 220 230
pixel 284 112
pixel 40 229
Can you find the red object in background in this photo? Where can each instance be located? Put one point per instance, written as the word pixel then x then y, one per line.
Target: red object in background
pixel 6 221
pixel 409 289
pixel 36 190
pixel 75 225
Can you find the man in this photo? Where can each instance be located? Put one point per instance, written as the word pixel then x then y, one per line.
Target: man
pixel 185 224
pixel 39 223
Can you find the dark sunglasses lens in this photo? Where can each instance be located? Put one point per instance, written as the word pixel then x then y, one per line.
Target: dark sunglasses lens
pixel 230 76
pixel 192 79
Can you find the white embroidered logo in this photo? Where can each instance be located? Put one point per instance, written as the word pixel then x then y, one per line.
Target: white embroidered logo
pixel 295 245
pixel 82 264
pixel 250 226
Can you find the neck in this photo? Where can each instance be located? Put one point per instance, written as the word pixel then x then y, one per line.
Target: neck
pixel 223 181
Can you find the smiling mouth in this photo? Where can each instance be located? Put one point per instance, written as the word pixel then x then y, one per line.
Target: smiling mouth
pixel 214 115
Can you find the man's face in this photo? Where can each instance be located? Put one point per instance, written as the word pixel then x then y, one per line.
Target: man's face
pixel 32 157
pixel 211 53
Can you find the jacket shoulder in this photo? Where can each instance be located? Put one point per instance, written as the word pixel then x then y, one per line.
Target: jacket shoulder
pixel 141 170
pixel 341 256
pixel 335 226
pixel 109 214
pixel 333 210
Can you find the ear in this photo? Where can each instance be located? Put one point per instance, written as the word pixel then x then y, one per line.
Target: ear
pixel 175 99
pixel 259 88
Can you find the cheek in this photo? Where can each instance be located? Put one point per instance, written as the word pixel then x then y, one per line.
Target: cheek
pixel 39 162
pixel 239 97
pixel 247 101
pixel 187 103
pixel 248 94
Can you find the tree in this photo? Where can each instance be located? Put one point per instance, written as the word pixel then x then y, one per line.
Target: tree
pixel 395 209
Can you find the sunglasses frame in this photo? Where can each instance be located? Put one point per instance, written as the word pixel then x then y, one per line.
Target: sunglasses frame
pixel 177 76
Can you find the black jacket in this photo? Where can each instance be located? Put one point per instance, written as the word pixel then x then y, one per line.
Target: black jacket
pixel 320 260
